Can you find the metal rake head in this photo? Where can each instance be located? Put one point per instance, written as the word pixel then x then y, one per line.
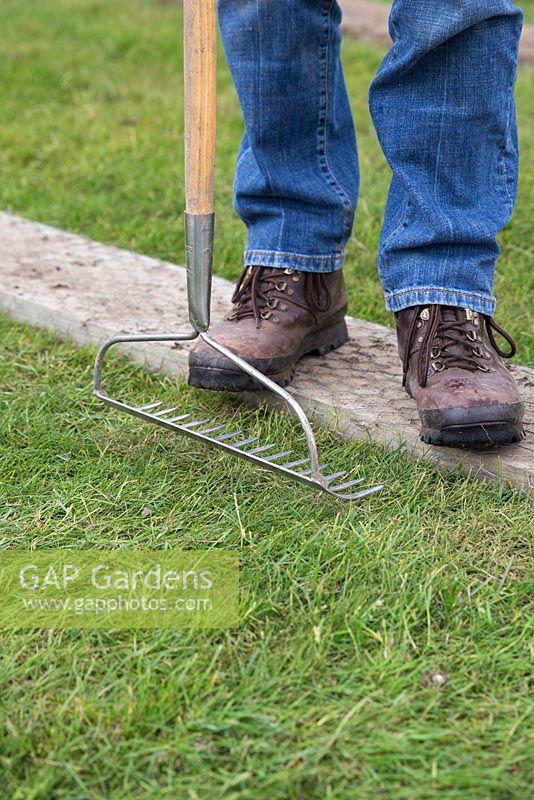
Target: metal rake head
pixel 307 471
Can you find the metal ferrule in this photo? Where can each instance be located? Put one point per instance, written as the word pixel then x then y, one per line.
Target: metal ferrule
pixel 199 229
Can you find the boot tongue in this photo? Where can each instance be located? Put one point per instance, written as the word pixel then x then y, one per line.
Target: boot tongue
pixel 457 342
pixel 453 314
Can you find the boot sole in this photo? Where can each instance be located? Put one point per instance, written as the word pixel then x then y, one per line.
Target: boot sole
pixel 217 379
pixel 478 428
pixel 482 436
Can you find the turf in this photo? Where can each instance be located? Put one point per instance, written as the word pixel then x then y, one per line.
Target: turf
pixel 328 690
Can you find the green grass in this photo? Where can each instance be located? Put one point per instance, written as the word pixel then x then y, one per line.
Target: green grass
pixel 528 10
pixel 323 693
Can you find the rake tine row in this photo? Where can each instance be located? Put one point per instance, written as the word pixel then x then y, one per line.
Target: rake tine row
pixel 259 452
pixel 270 459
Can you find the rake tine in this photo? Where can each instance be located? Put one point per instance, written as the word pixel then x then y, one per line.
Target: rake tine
pixel 176 419
pixel 346 485
pixel 334 475
pixel 309 471
pixel 226 436
pixel 149 405
pixel 243 442
pixel 278 455
pixel 204 431
pixel 363 493
pixel 295 463
pixel 165 411
pixel 195 423
pixel 261 449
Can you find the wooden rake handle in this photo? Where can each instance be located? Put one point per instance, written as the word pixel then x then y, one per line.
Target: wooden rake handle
pixel 200 94
pixel 200 89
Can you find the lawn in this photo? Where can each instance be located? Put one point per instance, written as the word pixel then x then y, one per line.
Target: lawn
pixel 325 692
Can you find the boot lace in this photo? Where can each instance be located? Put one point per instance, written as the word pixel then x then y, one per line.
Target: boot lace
pixel 450 341
pixel 260 290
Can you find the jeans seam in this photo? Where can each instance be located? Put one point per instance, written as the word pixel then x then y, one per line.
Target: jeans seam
pixel 437 290
pixel 323 120
pixel 263 168
pixel 300 256
pixel 504 151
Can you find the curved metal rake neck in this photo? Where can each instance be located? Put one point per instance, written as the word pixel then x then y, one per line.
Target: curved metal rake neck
pixel 280 392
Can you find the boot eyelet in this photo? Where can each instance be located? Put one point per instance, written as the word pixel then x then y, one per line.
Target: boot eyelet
pixel 472 336
pixel 281 287
pixel 435 353
pixel 425 314
pixel 264 314
pixel 272 302
pixel 289 271
pixel 290 291
pixel 295 278
pixel 438 366
pixel 477 351
pixel 275 320
pixel 283 307
pixel 483 368
pixel 418 324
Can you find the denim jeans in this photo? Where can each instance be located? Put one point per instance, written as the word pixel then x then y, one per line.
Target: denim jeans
pixel 443 107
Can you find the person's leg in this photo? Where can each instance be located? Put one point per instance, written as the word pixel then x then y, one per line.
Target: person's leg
pixel 442 103
pixel 296 181
pixel 296 188
pixel 443 107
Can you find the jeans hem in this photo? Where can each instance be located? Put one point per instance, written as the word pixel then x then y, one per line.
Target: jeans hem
pixel 431 295
pixel 283 260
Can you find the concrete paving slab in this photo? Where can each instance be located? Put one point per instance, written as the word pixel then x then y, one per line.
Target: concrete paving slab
pixel 89 291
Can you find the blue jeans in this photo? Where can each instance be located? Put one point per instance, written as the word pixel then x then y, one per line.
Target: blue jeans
pixel 443 107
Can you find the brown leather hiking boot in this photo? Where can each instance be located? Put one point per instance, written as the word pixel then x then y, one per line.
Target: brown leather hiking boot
pixel 465 395
pixel 278 316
